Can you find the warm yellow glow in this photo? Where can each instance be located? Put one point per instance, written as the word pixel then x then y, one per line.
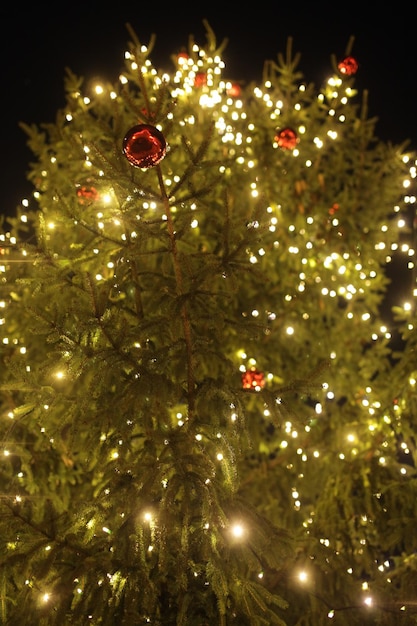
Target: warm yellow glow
pixel 326 275
pixel 237 530
pixel 303 576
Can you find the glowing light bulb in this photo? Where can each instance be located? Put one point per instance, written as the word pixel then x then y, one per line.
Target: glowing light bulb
pixel 303 576
pixel 238 530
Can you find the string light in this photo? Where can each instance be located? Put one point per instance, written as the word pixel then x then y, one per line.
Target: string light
pixel 338 275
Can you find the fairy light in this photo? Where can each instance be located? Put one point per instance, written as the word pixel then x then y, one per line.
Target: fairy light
pixel 238 530
pixel 303 576
pixel 336 268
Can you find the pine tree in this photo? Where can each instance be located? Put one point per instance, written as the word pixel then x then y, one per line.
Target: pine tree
pixel 204 417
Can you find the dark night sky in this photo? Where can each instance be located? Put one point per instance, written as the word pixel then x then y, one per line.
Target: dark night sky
pixel 38 44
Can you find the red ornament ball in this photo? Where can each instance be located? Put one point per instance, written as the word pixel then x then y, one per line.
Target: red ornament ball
pixel 200 79
pixel 87 194
pixel 182 58
pixel 234 91
pixel 286 139
pixel 348 66
pixel 253 379
pixel 334 208
pixel 144 146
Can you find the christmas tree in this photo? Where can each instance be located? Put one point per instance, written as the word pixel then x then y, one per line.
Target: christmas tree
pixel 206 417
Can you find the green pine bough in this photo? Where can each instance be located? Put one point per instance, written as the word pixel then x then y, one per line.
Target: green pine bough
pixel 206 406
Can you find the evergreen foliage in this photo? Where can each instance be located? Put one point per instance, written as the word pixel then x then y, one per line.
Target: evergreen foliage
pixel 134 301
